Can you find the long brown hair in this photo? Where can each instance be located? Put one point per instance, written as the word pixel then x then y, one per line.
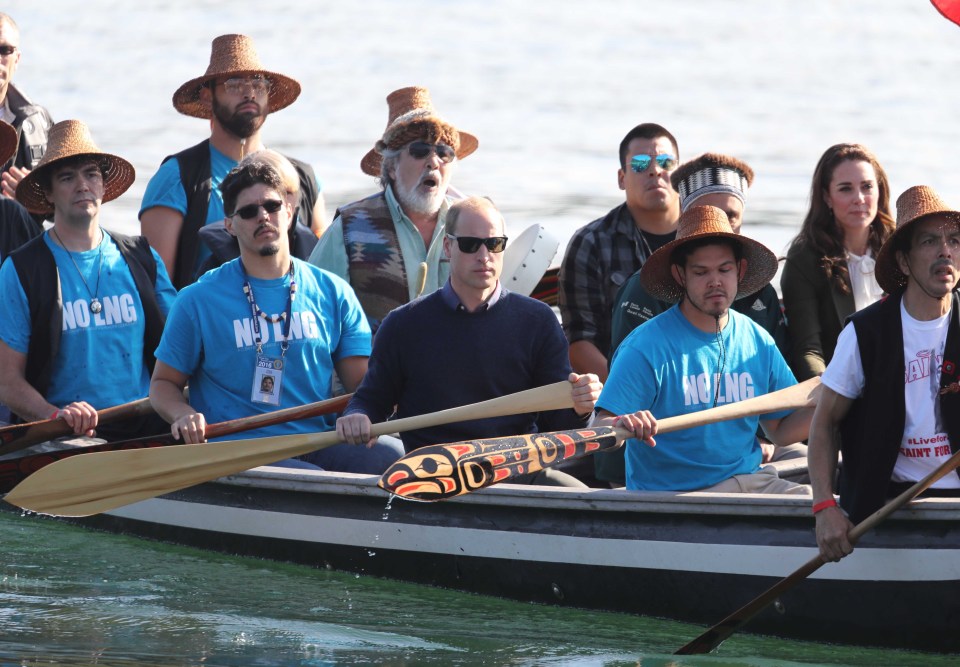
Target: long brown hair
pixel 820 231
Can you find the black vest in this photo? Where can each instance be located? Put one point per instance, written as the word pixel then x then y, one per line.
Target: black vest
pixel 194 164
pixel 37 271
pixel 872 431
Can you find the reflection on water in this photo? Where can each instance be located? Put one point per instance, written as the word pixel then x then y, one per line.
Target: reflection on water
pixel 71 596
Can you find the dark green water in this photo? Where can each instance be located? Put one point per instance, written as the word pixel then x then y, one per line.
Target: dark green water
pixel 69 596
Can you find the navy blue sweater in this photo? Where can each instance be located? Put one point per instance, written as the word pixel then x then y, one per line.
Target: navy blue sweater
pixel 429 356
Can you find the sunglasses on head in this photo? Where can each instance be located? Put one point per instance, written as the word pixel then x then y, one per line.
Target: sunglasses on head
pixel 253 210
pixel 471 244
pixel 639 163
pixel 421 149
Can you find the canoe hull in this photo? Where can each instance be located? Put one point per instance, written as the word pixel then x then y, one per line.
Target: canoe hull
pixel 692 557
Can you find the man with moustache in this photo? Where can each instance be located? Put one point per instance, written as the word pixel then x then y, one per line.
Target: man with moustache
pixel 389 246
pixel 83 308
pixel 236 94
pixel 470 341
pixel 263 332
pixel 31 121
pixel 697 355
pixel 603 254
pixel 891 393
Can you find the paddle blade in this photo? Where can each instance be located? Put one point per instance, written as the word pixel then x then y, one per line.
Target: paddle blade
pixel 437 472
pixel 949 8
pixel 94 483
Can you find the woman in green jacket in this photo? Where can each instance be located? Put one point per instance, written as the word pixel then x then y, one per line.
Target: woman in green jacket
pixel 829 272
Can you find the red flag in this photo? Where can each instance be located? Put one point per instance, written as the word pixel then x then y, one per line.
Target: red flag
pixel 949 8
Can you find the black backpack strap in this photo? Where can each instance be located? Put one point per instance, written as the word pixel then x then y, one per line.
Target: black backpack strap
pixel 37 271
pixel 194 164
pixel 143 267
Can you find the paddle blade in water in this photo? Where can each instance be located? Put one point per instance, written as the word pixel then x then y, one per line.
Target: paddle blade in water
pixel 443 471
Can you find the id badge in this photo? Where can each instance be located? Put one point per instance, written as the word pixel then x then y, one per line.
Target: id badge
pixel 267 380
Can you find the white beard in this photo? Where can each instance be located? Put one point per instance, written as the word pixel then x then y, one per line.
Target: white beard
pixel 419 202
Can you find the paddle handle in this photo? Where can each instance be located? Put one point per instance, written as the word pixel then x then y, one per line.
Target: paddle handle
pixel 21 436
pixel 317 409
pixel 800 395
pixel 556 396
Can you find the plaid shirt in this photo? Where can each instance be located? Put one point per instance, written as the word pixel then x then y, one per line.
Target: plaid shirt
pixel 599 259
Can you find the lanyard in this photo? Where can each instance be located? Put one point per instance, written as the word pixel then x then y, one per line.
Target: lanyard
pixel 257 313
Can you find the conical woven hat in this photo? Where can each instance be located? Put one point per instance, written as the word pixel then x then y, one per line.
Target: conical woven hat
pixel 405 107
pixel 699 222
pixel 71 138
pixel 8 142
pixel 913 205
pixel 234 55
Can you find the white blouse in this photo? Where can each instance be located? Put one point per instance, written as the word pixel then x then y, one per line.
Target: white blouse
pixel 863 278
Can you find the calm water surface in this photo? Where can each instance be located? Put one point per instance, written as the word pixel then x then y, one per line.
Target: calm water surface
pixel 549 87
pixel 70 596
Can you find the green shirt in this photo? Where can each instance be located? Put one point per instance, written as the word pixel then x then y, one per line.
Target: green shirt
pixel 330 252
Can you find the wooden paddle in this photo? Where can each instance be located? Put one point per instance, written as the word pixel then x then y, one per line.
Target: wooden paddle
pixel 85 485
pixel 20 436
pixel 713 637
pixel 14 471
pixel 437 472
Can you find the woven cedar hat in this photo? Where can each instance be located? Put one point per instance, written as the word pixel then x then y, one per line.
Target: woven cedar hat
pixel 913 205
pixel 411 116
pixel 700 222
pixel 234 55
pixel 8 142
pixel 71 138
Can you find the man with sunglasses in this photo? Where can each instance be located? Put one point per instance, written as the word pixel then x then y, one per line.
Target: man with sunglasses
pixel 235 94
pixel 31 121
pixel 603 254
pixel 389 246
pixel 470 341
pixel 263 315
pixel 707 180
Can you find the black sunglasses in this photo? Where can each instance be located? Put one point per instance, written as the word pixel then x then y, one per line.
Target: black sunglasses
pixel 471 244
pixel 253 210
pixel 421 149
pixel 6 50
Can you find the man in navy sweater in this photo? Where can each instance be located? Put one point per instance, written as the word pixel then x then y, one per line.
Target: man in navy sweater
pixel 470 341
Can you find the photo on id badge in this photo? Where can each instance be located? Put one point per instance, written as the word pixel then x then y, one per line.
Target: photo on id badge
pixel 267 381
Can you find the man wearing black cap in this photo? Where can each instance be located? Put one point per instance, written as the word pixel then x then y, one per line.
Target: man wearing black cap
pixel 891 393
pixel 695 356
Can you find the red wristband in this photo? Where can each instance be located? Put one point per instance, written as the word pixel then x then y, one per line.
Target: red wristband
pixel 830 502
pixel 54 415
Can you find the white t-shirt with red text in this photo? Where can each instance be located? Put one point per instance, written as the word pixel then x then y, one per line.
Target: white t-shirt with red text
pixel 925 445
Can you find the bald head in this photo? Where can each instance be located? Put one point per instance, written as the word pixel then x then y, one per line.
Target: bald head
pixel 480 206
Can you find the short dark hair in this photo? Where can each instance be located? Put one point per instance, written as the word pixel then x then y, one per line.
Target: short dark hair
pixel 45 176
pixel 243 176
pixel 645 131
pixel 683 251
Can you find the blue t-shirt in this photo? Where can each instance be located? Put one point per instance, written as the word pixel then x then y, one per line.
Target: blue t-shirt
pixel 100 359
pixel 209 336
pixel 668 366
pixel 165 189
